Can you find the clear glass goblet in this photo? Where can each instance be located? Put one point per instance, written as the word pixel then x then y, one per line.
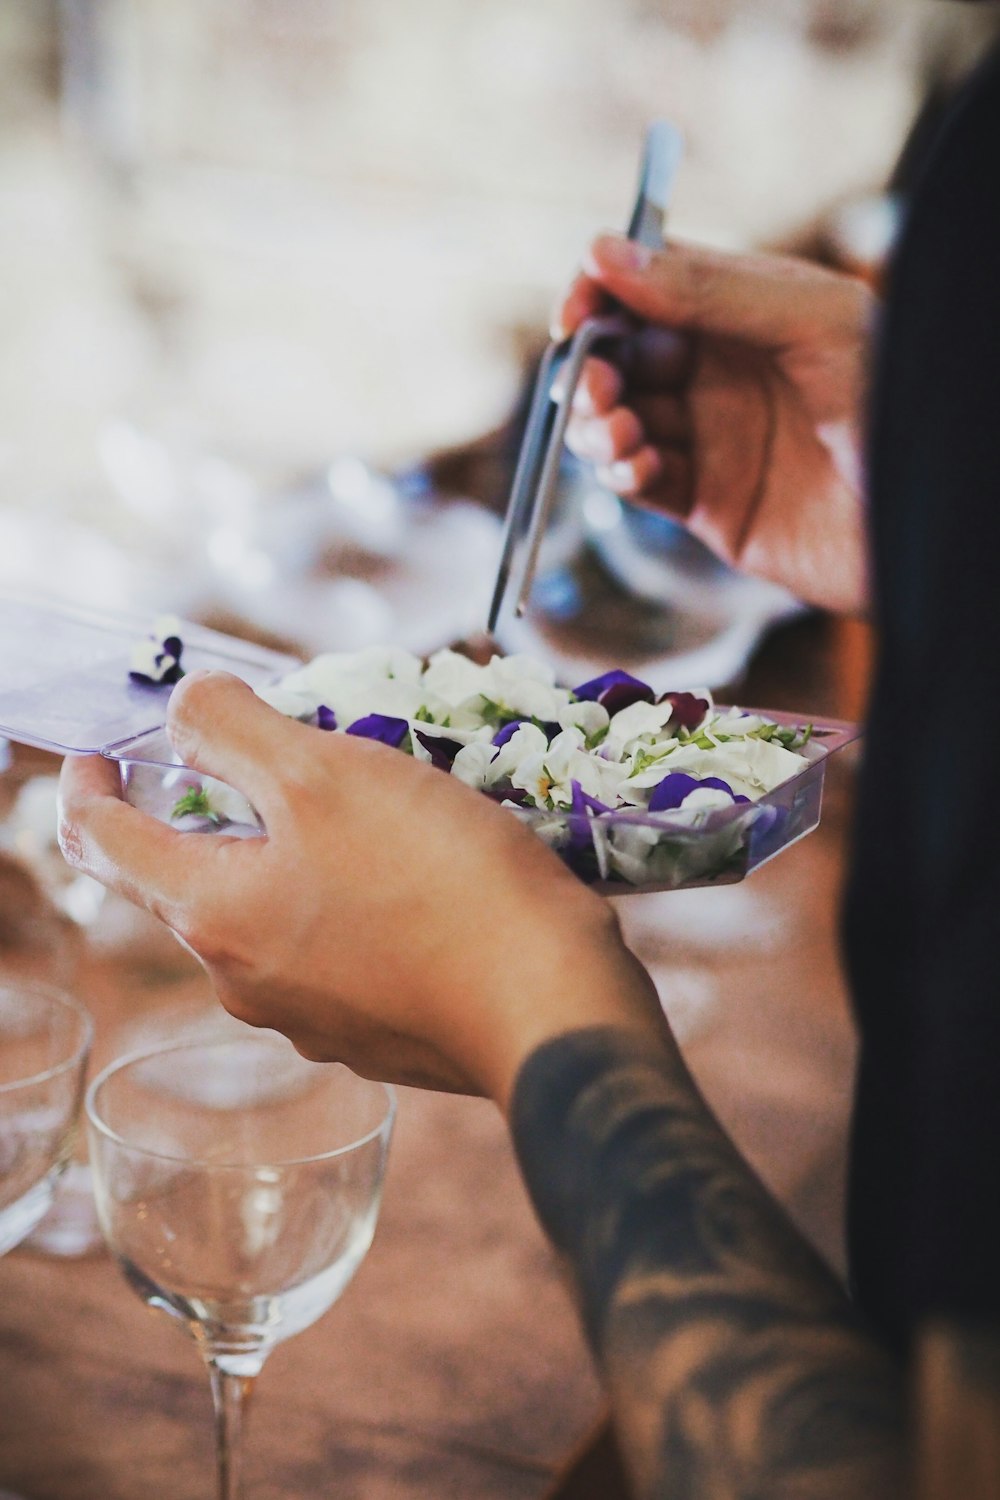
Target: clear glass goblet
pixel 45 1040
pixel 238 1187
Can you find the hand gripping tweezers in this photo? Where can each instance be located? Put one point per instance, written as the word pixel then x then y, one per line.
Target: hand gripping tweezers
pixel 541 449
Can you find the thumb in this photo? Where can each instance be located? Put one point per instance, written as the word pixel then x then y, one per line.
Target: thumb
pixel 772 301
pixel 220 727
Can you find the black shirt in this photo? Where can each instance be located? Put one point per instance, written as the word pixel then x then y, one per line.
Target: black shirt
pixel 923 909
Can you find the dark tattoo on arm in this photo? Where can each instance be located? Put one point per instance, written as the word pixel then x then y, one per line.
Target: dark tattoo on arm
pixel 736 1365
pixel 957 1397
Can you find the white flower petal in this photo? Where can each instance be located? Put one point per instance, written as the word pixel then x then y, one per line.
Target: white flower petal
pixel 293 704
pixel 590 717
pixel 453 678
pixel 472 764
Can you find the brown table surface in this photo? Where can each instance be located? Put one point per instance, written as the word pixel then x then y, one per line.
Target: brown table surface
pixel 453 1366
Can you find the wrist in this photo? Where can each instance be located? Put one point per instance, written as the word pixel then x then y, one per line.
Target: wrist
pixel 566 976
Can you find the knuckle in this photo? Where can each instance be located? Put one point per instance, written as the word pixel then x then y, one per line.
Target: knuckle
pixel 238 1004
pixel 71 842
pixel 190 701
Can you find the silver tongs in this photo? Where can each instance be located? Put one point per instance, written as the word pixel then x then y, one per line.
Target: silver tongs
pixel 559 372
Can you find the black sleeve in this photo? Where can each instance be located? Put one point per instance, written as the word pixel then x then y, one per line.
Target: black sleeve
pixel 923 912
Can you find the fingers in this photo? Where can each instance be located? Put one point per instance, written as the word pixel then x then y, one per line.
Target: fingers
pixel 664 420
pixel 142 859
pixel 660 421
pixel 659 479
pixel 599 388
pixel 657 359
pixel 601 440
pixel 220 727
pixel 583 299
pixel 771 301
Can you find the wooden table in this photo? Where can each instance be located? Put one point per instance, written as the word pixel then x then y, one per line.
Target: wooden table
pixel 453 1366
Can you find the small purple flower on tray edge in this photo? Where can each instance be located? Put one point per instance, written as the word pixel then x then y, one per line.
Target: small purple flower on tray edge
pixel 156 660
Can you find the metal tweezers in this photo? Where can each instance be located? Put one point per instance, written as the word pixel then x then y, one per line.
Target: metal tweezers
pixel 558 374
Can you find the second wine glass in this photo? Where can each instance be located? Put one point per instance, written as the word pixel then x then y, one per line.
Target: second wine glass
pixel 238 1186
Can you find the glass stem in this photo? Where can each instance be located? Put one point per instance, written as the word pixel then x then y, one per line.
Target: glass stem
pixel 232 1381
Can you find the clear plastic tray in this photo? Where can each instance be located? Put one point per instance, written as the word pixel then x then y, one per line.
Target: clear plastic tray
pixel 64 674
pixel 64 686
pixel 678 851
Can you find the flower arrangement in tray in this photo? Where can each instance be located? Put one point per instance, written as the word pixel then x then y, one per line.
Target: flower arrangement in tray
pixel 632 787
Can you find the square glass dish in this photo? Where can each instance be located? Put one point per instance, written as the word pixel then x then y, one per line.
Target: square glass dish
pixel 64 686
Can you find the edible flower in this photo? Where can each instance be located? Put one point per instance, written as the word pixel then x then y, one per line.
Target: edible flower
pixel 589 768
pixel 380 727
pixel 156 659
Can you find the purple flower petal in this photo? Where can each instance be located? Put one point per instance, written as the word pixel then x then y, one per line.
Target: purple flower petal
pixel 615 690
pixel 442 751
pixel 688 709
pixel 582 801
pixel 163 676
pixel 581 835
pixel 500 793
pixel 325 717
pixel 672 790
pixel 508 731
pixel 381 727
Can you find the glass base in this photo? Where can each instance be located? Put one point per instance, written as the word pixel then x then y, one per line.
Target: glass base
pixel 18 1219
pixel 70 1228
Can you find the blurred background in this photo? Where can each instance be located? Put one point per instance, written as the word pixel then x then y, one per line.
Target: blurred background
pixel 274 277
pixel 273 274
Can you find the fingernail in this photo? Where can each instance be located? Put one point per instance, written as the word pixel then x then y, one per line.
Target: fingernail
pixel 611 252
pixel 589 440
pixel 617 476
pixel 621 472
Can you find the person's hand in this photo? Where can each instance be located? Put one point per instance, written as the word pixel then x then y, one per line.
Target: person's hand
pixel 735 407
pixel 393 918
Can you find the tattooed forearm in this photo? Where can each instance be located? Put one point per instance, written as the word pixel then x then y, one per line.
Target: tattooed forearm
pixel 735 1364
pixel 958 1389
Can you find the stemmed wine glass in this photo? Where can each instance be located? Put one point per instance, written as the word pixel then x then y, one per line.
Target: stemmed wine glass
pixel 238 1187
pixel 45 1040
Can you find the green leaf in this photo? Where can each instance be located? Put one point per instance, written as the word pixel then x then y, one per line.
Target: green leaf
pixel 195 800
